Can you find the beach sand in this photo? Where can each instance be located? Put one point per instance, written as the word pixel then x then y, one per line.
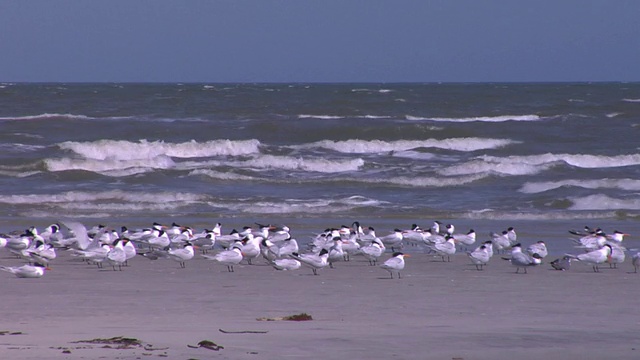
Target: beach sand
pixel 438 310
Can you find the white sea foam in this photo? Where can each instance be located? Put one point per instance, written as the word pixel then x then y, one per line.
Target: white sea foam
pixel 501 118
pixel 110 167
pixel 221 175
pixel 102 196
pixel 426 181
pixel 604 202
pixel 492 167
pixel 47 116
pixel 289 163
pixel 378 146
pixel 577 160
pixel 612 115
pixel 325 117
pixel 304 206
pixel 624 184
pixel 127 150
pixel 631 100
pixel 489 214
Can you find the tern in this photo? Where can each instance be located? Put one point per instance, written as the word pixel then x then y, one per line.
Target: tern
pixel 373 251
pixel 395 264
pixel 285 264
pixel 313 261
pixel 228 257
pixel 635 260
pixel 539 248
pixel 562 264
pixel 26 271
pixel 522 260
pixel 595 257
pixel 393 240
pixel 480 256
pixel 182 255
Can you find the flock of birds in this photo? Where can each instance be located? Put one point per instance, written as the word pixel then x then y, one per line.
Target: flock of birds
pixel 275 245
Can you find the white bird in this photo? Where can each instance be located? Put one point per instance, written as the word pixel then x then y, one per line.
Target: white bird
pixel 228 257
pixel 182 255
pixel 285 264
pixel 313 261
pixel 96 255
pixel 373 251
pixel 268 250
pixel 129 250
pixel 446 248
pixel 395 264
pixel 617 255
pixel 467 239
pixel 617 236
pixel 225 241
pixel 287 247
pixel 251 247
pixel 26 271
pixel 415 234
pixel 522 260
pixel 593 241
pixel 595 257
pixel 336 253
pixel 501 241
pixel 393 240
pixel 117 255
pixel 480 256
pixel 539 248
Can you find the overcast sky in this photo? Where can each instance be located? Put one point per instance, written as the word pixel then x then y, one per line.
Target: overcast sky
pixel 319 41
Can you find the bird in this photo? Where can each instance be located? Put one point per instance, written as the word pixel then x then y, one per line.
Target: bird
pixel 522 260
pixel 373 251
pixel 182 255
pixel 446 248
pixel 393 240
pixel 285 264
pixel 336 253
pixel 617 255
pixel 595 257
pixel 467 239
pixel 117 255
pixel 395 264
pixel 315 262
pixel 539 248
pixel 501 241
pixel 287 247
pixel 635 260
pixel 228 257
pixel 562 264
pixel 26 271
pixel 480 256
pixel 251 247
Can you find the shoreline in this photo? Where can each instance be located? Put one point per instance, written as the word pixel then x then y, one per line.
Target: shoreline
pixel 446 310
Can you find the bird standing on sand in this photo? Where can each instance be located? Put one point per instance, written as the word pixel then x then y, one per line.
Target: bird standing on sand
pixel 595 257
pixel 395 264
pixel 228 257
pixel 313 261
pixel 522 260
pixel 562 264
pixel 480 256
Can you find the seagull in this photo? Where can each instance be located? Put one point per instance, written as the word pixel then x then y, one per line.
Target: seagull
pixel 26 271
pixel 228 257
pixel 595 257
pixel 562 264
pixel 313 261
pixel 395 264
pixel 522 260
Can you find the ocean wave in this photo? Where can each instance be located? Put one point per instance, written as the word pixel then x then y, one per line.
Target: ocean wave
pixel 501 118
pixel 102 196
pixel 631 100
pixel 325 117
pixel 623 184
pixel 294 206
pixel 275 162
pixel 220 175
pixel 577 160
pixel 603 202
pixel 127 150
pixel 489 214
pixel 110 167
pixel 378 146
pixel 46 116
pixel 425 181
pixel 493 167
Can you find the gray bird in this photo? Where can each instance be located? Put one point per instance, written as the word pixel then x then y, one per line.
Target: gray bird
pixel 563 263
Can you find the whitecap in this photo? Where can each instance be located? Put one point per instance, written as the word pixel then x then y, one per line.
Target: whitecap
pixel 47 116
pixel 109 167
pixel 379 146
pixel 631 100
pixel 623 184
pixel 603 202
pixel 501 118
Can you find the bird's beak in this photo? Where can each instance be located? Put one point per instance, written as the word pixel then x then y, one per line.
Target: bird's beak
pixel 407 255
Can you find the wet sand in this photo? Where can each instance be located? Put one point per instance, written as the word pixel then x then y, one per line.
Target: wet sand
pixel 436 311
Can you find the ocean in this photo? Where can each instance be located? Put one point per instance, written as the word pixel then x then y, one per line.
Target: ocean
pixel 540 157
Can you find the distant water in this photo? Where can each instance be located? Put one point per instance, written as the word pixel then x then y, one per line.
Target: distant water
pixel 541 157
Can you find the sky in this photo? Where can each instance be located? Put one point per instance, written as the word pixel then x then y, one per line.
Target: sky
pixel 319 41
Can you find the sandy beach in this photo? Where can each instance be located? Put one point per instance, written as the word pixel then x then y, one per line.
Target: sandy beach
pixel 438 310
